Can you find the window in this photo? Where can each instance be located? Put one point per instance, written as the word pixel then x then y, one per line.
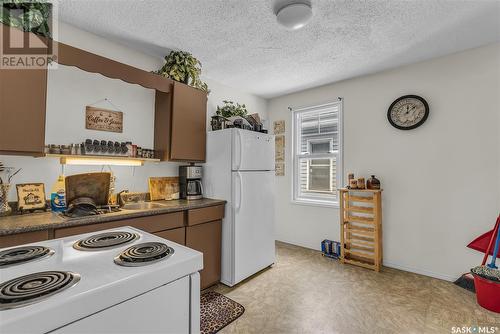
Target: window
pixel 317 153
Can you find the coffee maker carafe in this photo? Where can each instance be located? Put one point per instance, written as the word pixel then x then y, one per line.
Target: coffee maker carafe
pixel 190 186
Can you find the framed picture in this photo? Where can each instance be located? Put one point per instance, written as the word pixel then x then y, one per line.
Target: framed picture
pixel 31 196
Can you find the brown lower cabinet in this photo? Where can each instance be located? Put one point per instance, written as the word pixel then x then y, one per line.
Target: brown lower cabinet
pixel 151 224
pixel 177 235
pixel 207 239
pixel 199 229
pixel 23 238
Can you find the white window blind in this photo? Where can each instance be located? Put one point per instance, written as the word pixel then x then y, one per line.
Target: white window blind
pixel 317 153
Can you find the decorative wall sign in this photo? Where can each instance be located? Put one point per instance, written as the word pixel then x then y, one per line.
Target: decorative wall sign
pixel 279 127
pixel 103 119
pixel 279 142
pixel 280 169
pixel 30 196
pixel 279 155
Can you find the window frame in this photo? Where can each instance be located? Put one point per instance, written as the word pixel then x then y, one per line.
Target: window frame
pixel 316 200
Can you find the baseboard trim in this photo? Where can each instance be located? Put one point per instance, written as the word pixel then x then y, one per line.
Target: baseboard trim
pixel 420 271
pixel 392 265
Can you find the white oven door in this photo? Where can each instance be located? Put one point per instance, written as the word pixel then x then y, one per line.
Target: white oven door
pixel 162 310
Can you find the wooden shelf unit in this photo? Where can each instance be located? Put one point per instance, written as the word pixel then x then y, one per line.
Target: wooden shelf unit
pixel 361 227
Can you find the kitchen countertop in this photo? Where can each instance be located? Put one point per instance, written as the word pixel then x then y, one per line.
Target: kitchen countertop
pixel 49 220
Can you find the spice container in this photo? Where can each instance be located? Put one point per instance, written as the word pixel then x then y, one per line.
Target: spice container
pixel 350 177
pixel 130 150
pixel 361 183
pixel 55 149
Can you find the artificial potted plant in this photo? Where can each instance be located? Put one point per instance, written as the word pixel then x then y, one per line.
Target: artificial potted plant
pixel 183 67
pixel 229 111
pixel 32 16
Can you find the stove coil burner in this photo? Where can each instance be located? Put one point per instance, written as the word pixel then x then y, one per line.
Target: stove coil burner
pixel 23 254
pixel 28 289
pixel 143 254
pixel 105 240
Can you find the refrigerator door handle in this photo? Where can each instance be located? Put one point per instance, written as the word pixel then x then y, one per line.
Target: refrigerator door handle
pixel 240 193
pixel 240 149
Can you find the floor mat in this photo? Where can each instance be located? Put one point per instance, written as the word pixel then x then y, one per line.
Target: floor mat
pixel 218 311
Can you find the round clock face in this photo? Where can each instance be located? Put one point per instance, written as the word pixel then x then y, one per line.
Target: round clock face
pixel 408 112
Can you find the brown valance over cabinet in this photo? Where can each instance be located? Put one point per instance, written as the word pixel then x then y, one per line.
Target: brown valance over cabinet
pixel 22 111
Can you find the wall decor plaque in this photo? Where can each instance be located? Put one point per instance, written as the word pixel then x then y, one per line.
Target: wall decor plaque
pixel 279 142
pixel 103 119
pixel 279 127
pixel 280 169
pixel 31 196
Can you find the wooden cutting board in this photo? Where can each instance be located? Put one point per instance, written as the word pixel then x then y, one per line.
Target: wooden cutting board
pixel 93 185
pixel 163 188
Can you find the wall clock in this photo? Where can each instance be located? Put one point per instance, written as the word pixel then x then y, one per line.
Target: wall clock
pixel 408 112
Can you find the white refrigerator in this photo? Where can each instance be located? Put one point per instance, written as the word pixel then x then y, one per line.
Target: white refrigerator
pixel 239 168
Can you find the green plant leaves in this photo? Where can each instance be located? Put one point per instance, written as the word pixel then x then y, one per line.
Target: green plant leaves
pixel 27 16
pixel 230 109
pixel 183 67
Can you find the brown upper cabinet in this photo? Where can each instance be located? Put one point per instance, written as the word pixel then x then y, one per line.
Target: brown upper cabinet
pixel 180 124
pixel 22 111
pixel 180 110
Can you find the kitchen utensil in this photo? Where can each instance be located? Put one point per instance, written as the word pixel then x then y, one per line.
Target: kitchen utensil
pixel 84 201
pixel 163 188
pixel 81 206
pixel 2 169
pixel 9 178
pixel 92 185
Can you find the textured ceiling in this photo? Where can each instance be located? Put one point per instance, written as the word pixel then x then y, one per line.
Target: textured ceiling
pixel 241 45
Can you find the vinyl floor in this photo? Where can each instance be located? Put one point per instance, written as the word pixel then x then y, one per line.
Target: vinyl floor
pixel 305 292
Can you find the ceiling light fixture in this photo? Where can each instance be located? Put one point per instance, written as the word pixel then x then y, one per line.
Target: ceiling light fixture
pixel 294 16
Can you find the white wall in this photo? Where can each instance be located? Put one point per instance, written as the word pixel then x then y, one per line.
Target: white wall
pixel 71 89
pixel 440 181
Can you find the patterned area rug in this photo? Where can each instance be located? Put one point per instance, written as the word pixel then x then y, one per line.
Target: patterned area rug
pixel 218 311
